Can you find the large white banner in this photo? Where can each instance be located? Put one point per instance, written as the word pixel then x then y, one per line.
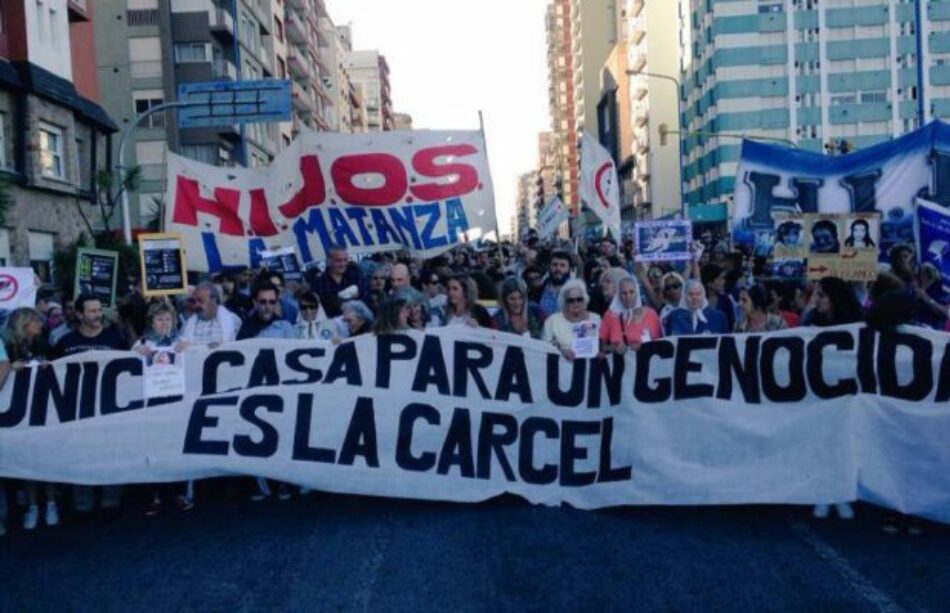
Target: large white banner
pixel 801 416
pixel 424 190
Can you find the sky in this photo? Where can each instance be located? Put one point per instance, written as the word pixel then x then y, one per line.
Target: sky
pixel 448 59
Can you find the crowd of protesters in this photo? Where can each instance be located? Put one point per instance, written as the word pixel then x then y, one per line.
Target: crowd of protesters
pixel 548 291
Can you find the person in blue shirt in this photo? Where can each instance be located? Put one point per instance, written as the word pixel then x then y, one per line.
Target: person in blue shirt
pixel 695 316
pixel 265 320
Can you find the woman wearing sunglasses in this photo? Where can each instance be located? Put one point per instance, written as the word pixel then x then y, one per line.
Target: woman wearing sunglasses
pixel 311 318
pixel 572 322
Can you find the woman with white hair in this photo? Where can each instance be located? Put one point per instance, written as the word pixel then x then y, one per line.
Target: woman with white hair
pixel 628 323
pixel 695 316
pixel 572 321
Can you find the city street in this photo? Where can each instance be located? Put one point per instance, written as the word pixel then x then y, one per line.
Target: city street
pixel 351 553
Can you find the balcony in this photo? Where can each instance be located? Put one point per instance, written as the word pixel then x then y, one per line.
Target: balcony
pixel 301 98
pixel 296 29
pixel 297 63
pixel 224 69
pixel 638 61
pixel 221 23
pixel 261 10
pixel 77 10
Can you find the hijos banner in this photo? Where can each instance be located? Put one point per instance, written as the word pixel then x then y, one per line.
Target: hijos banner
pixel 423 190
pixel 796 417
pixel 885 178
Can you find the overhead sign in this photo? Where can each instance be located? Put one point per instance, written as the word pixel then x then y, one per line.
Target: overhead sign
pixel 162 264
pixel 96 274
pixel 216 103
pixel 425 191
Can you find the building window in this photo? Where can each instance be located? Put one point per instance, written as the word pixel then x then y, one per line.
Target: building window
pixel 146 99
pixel 145 57
pixel 41 255
pixel 3 140
pixel 186 53
pixel 4 247
pixel 51 152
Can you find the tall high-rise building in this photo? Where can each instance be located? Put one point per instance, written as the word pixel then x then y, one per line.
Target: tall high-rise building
pixel 653 185
pixel 580 36
pixel 809 72
pixel 526 214
pixel 369 72
pixel 53 132
pixel 547 167
pixel 147 48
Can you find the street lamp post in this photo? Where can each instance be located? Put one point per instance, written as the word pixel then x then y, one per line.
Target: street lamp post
pixel 679 121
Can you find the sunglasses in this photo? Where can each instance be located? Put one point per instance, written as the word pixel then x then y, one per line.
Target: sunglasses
pixel 266 302
pixel 673 286
pixel 308 307
pixel 574 300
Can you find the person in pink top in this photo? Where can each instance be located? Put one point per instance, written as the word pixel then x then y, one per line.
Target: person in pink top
pixel 628 323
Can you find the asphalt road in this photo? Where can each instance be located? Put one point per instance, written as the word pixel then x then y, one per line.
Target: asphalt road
pixel 348 553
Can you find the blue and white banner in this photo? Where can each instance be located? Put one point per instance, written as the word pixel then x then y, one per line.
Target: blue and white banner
pixel 885 178
pixel 551 217
pixel 803 416
pixel 663 241
pixel 933 238
pixel 425 191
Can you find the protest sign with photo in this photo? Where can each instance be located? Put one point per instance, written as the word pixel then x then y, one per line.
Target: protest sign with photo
pixel 162 262
pixel 843 245
pixel 663 241
pixel 96 274
pixel 164 374
pixel 284 261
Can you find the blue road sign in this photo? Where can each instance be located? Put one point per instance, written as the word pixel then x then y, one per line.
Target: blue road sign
pixel 217 103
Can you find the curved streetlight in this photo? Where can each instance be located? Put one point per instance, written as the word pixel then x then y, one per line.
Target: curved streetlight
pixel 679 119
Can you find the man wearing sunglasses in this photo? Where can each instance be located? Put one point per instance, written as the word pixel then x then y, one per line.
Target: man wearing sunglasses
pixel 265 320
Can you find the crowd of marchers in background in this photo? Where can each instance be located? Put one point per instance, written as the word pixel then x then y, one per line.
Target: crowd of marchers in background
pixel 552 291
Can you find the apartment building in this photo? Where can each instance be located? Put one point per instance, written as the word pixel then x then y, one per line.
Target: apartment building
pixel 148 48
pixel 580 36
pixel 350 109
pixel 54 135
pixel 526 211
pixel 651 180
pixel 369 73
pixel 805 71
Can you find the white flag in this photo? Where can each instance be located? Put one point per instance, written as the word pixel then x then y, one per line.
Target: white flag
pixel 551 216
pixel 600 188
